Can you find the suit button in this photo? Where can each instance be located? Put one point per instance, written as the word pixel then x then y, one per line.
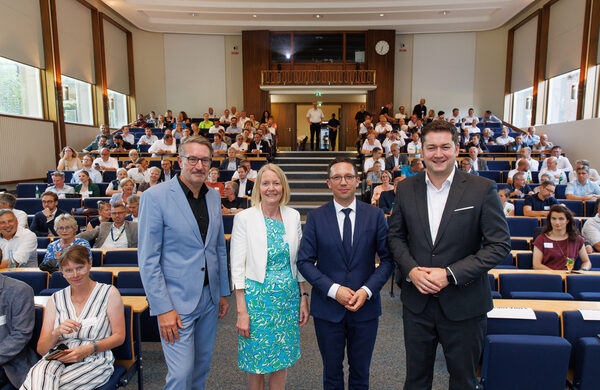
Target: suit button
pixel 433 254
pixel 202 269
pixel 347 271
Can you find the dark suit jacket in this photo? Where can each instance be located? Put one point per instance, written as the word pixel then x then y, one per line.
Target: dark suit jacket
pixel 322 262
pixel 225 164
pixel 481 164
pixel 386 201
pixel 389 161
pixel 473 237
pixel 98 235
pixel 249 187
pixel 39 225
pixel 265 148
pixel 162 174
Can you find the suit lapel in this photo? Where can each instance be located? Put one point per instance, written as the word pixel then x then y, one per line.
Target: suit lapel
pixel 421 203
pixel 332 222
pixel 456 191
pixel 212 214
pixel 182 203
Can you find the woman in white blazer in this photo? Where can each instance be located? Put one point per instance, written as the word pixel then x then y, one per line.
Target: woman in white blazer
pixel 270 293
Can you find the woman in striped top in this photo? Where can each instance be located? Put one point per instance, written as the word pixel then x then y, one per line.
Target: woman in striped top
pixel 87 317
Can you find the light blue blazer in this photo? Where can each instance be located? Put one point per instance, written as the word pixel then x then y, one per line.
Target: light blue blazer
pixel 171 254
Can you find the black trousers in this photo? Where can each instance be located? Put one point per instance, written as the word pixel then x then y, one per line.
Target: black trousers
pixel 315 130
pixel 462 342
pixel 332 139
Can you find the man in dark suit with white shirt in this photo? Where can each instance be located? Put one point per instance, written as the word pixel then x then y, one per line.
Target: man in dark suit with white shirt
pixel 395 161
pixel 446 231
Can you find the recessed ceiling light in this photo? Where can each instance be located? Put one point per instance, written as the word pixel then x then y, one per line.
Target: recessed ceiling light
pixel 318 16
pixel 445 13
pixel 193 14
pixel 254 16
pixel 381 14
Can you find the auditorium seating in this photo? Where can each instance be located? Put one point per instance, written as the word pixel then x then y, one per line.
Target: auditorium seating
pixel 546 323
pixel 492 175
pixel 532 286
pixel 27 190
pixel 29 205
pixel 584 287
pixel 116 258
pixel 37 280
pixel 522 227
pixel 130 283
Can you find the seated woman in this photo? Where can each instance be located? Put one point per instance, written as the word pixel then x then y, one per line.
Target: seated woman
pixel 127 186
pixel 103 215
pixel 509 208
pixel 88 319
pixel 68 160
pixel 374 176
pixel 66 227
pixel 386 179
pixel 559 241
pixel 154 178
pixel 213 181
pixel 86 189
pixel 231 203
pixel 114 186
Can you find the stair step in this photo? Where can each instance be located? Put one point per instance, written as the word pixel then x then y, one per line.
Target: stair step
pixel 299 185
pixel 303 167
pixel 303 175
pixel 317 154
pixel 307 160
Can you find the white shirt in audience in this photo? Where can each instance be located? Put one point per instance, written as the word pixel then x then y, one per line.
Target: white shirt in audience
pixel 116 239
pixel 214 129
pixel 21 217
pixel 251 175
pixel 137 176
pixel 242 187
pixel 129 138
pixel 369 162
pixel 387 144
pixel 534 165
pixel 414 148
pixel 61 193
pixel 562 163
pixel 148 140
pixel 224 118
pixel 528 176
pixel 504 140
pixel 112 163
pixel 591 230
pixel 370 147
pixel 558 176
pixel 95 176
pixel 383 129
pixel 160 144
pixel 240 148
pixel 22 247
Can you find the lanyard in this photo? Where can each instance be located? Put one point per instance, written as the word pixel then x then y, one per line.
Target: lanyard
pixel 119 236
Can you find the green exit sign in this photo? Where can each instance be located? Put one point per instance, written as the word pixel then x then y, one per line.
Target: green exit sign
pixel 317 93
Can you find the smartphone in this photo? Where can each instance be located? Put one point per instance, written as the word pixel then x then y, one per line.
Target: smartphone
pixel 57 352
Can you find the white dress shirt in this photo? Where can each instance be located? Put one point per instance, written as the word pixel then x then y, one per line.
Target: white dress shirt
pixel 160 144
pixel 148 140
pixel 241 148
pixel 561 163
pixel 387 144
pixel 112 163
pixel 370 162
pixel 251 175
pixel 129 138
pixel 315 115
pixel 61 193
pixel 383 129
pixel 436 202
pixel 534 165
pixel 22 247
pixel 116 239
pixel 137 176
pixel 340 219
pixel 214 129
pixel 242 188
pixel 21 217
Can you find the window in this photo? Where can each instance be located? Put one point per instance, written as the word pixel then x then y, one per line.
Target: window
pixel 562 97
pixel 281 47
pixel 355 47
pixel 522 103
pixel 318 47
pixel 117 109
pixel 20 89
pixel 77 101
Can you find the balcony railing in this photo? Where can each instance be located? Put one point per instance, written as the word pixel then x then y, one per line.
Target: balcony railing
pixel 318 77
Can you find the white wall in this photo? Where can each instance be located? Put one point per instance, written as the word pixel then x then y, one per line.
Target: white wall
pixel 234 70
pixel 80 136
pixel 195 73
pixel 579 139
pixel 149 67
pixel 403 72
pixel 443 70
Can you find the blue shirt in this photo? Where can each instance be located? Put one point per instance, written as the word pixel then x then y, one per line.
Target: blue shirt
pixel 406 171
pixel 56 246
pixel 577 189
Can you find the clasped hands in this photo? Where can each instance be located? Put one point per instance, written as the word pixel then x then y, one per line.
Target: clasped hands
pixel 428 280
pixel 350 299
pixel 73 355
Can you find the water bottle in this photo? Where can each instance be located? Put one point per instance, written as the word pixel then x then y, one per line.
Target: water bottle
pixel 37 192
pixel 12 264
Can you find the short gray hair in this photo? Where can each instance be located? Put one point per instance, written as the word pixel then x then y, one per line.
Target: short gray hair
pixel 197 140
pixel 7 211
pixel 68 219
pixel 133 199
pixel 58 173
pixel 233 185
pixel 8 199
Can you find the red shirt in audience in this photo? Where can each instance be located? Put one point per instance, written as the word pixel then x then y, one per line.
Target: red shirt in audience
pixel 555 252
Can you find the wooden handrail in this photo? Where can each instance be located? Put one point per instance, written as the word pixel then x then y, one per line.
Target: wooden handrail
pixel 515 128
pixel 318 77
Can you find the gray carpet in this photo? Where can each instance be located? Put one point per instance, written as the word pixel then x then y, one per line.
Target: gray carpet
pixel 387 368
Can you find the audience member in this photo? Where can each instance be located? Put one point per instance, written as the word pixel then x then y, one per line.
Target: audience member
pixel 392 139
pixel 226 117
pixel 88 166
pixel 396 160
pixel 239 145
pixel 127 136
pixel 334 126
pixel 455 115
pixel 594 176
pixel 167 172
pixel 85 187
pixel 105 131
pixel 487 137
pixel 43 221
pixel 231 203
pixel 105 162
pixel 476 142
pixel 504 138
pixel 519 188
pixel 414 147
pixel 544 146
pixel 115 186
pixel 478 163
pixel 59 187
pixel 551 168
pixel 471 127
pixel 559 242
pixel 153 179
pixel 508 207
pixel 374 175
pixel 259 145
pixel 401 114
pixel 96 145
pixel 523 167
pixel 66 227
pixel 591 230
pixel 231 163
pixel 219 147
pixel 103 215
pixel 370 143
pixel 531 139
pixel 147 138
pixel 466 165
pixel 383 126
pixel 516 145
pixel 525 154
pixel 416 166
pixel 469 118
pixel 375 157
pixel 164 147
pixel 538 205
pixel 140 173
pixel 251 173
pixel 89 335
pixel 127 186
pixel 68 160
pixel 489 117
pixel 18 315
pixel 386 185
pixel 120 145
pixel 118 234
pixel 133 208
pixel 562 162
pixel 361 116
pixel 245 185
pixel 17 245
pixel 213 181
pixel 233 128
pixel 314 117
pixel 162 123
pixel 420 110
pixel 582 188
pixel 8 202
pixel 386 111
pixel 216 127
pixel 133 157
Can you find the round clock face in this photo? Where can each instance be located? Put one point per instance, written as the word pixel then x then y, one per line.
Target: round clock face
pixel 382 48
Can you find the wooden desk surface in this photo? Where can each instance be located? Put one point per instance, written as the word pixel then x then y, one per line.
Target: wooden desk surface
pixel 563 274
pixel 547 305
pixel 138 304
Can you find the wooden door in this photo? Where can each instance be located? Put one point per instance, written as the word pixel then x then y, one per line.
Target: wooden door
pixel 348 133
pixel 285 116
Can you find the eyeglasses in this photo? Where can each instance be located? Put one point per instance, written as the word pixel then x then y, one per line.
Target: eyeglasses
pixel 63 228
pixel 72 271
pixel 337 179
pixel 194 160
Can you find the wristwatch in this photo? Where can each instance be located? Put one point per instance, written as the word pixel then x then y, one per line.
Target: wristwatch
pixel 449 276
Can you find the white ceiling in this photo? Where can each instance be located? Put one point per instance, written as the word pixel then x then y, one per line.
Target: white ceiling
pixel 231 17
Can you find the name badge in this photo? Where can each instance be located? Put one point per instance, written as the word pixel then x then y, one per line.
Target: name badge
pixel 89 322
pixel 548 245
pixel 2 320
pixel 546 207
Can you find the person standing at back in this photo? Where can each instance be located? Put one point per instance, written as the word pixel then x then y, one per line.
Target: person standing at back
pixel 183 265
pixel 337 257
pixel 447 230
pixel 314 117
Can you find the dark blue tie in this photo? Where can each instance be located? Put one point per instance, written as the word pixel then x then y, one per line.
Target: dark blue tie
pixel 347 234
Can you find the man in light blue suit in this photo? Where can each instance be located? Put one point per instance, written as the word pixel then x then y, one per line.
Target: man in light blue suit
pixel 183 265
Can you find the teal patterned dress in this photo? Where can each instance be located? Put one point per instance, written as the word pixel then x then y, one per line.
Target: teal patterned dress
pixel 273 307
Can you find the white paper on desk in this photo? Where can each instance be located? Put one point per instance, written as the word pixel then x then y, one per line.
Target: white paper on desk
pixel 40 301
pixel 517 313
pixel 590 315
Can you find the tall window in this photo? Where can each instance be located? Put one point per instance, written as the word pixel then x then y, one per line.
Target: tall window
pixel 77 101
pixel 522 103
pixel 117 109
pixel 562 97
pixel 20 89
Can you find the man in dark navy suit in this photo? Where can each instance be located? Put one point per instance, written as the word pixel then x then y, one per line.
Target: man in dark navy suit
pixel 337 256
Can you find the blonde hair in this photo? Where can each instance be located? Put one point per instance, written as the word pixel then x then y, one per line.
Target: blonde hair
pixel 68 219
pixel 73 152
pixel 285 196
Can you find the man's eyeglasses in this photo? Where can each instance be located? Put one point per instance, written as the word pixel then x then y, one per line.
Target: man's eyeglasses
pixel 194 160
pixel 337 179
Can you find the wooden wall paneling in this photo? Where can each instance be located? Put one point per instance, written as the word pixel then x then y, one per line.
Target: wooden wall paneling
pixel 256 58
pixel 348 135
pixel 98 88
pixel 285 117
pixel 593 48
pixel 383 66
pixel 131 102
pixel 103 70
